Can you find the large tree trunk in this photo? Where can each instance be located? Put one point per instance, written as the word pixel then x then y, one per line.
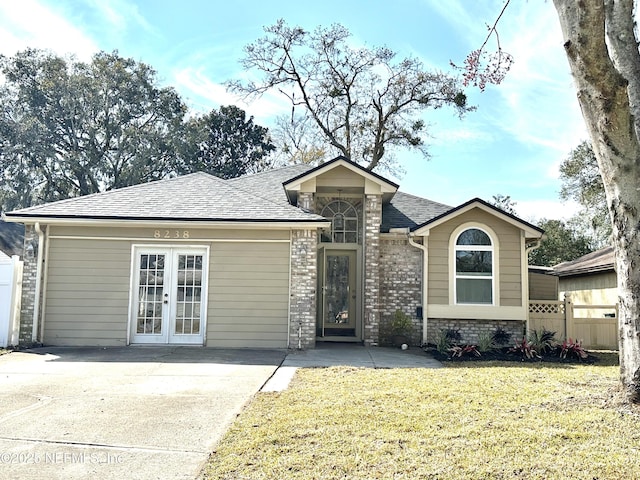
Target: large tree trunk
pixel 603 55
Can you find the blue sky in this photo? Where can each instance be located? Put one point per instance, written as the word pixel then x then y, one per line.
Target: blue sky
pixel 512 144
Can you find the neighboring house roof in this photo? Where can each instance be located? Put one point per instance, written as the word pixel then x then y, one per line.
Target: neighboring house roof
pixel 408 211
pixel 594 262
pixel 531 231
pixel 11 238
pixel 194 197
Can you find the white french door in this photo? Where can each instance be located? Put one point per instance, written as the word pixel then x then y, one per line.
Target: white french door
pixel 169 296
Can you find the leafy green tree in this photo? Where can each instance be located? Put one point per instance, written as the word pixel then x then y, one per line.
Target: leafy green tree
pixel 71 128
pixel 560 244
pixel 226 143
pixel 582 182
pixel 364 101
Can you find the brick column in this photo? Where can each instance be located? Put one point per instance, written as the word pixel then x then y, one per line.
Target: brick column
pixel 372 221
pixel 302 310
pixel 30 259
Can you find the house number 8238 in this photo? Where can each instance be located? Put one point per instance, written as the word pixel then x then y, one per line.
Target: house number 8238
pixel 171 234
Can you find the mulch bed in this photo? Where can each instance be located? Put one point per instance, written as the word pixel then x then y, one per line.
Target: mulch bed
pixel 504 355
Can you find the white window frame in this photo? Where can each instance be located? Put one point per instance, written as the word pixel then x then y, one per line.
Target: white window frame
pixel 495 273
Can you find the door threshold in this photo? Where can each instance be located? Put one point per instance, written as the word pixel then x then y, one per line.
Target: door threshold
pixel 336 338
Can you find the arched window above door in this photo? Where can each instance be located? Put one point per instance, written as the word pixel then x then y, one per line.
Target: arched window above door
pixel 344 222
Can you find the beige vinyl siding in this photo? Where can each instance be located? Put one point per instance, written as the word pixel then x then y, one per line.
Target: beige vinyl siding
pixel 543 286
pixel 340 176
pixel 439 267
pixel 510 281
pixel 594 289
pixel 248 295
pixel 87 292
pixel 181 233
pixel 88 285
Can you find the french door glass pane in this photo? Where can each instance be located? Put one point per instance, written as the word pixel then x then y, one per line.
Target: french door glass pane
pixel 150 294
pixel 189 287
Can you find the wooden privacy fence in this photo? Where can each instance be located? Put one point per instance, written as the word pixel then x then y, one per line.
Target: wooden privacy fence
pixel 595 325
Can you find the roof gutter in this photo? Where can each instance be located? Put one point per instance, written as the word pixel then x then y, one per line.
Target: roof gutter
pixel 150 222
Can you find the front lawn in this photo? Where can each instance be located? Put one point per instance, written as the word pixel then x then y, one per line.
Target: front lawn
pixel 493 420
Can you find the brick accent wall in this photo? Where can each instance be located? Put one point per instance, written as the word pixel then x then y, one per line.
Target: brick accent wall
pixel 302 310
pixel 28 286
pixel 472 329
pixel 400 285
pixel 372 219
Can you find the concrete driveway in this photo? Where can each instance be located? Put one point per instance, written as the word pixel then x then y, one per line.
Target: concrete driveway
pixel 135 413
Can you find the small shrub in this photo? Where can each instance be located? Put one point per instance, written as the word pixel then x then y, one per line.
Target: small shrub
pixel 571 349
pixel 543 341
pixel 453 334
pixel 501 337
pixel 525 349
pixel 443 344
pixel 459 351
pixel 485 342
pixel 401 324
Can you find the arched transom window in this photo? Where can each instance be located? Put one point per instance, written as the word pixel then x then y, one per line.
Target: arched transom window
pixel 344 221
pixel 474 272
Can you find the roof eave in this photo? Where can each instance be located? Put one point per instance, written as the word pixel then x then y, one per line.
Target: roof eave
pixel 530 230
pixel 150 221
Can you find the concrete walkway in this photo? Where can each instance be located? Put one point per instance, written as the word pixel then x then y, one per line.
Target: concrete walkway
pixel 339 354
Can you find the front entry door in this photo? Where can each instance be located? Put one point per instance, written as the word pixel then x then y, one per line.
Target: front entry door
pixel 339 292
pixel 169 295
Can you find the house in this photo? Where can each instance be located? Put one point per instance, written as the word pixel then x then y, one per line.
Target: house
pixel 590 279
pixel 283 258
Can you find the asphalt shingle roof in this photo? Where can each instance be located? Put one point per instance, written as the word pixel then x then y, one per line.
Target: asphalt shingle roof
pixel 257 197
pixel 268 184
pixel 194 197
pixel 598 261
pixel 405 210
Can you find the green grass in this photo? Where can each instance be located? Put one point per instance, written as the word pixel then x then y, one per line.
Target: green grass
pixel 492 420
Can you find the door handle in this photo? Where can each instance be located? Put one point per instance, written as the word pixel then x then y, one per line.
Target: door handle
pixel 166 298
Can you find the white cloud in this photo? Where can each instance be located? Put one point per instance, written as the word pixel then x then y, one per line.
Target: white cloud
pixel 120 14
pixel 192 81
pixel 29 23
pixel 535 210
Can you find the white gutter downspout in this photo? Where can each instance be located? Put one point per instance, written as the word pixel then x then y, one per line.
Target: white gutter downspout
pixel 425 283
pixel 36 301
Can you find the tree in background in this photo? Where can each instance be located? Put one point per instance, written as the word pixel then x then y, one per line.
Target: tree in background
pixel 226 144
pixel 504 203
pixel 298 141
pixel 70 128
pixel 560 244
pixel 364 102
pixel 581 181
